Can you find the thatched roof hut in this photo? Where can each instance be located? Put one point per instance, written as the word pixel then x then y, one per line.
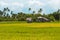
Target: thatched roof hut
pixel 29 20
pixel 42 19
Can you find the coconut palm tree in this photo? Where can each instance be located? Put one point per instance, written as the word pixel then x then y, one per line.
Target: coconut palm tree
pixel 1 13
pixel 29 9
pixel 40 10
pixel 33 12
pixel 5 11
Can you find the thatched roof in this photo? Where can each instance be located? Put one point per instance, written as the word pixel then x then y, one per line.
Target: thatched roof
pixel 42 17
pixel 29 19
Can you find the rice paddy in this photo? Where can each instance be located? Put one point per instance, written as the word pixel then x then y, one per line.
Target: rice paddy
pixel 29 31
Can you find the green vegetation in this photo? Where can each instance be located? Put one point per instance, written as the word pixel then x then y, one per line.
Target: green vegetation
pixel 8 15
pixel 29 33
pixel 13 26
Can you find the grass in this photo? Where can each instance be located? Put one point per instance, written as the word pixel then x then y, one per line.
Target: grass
pixel 29 31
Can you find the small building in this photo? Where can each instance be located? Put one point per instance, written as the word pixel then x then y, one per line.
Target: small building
pixel 42 19
pixel 39 19
pixel 29 20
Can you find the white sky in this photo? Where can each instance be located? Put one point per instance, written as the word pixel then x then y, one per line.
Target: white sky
pixel 22 5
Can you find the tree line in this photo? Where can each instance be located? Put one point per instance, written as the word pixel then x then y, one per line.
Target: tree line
pixel 8 15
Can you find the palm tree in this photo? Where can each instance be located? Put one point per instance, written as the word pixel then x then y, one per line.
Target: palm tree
pixel 40 10
pixel 58 11
pixel 33 12
pixel 11 13
pixel 5 11
pixel 1 13
pixel 29 9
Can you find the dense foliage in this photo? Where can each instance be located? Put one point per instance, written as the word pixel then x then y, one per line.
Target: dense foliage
pixel 8 15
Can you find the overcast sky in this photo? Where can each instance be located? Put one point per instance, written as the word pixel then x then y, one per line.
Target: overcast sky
pixel 48 6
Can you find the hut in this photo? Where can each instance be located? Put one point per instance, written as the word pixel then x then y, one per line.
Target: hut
pixel 42 19
pixel 29 20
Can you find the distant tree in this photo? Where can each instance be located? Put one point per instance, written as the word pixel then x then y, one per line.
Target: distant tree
pixel 14 17
pixel 21 16
pixel 5 11
pixel 58 11
pixel 40 10
pixel 11 12
pixel 44 15
pixel 56 15
pixel 33 12
pixel 29 9
pixel 52 18
pixel 1 13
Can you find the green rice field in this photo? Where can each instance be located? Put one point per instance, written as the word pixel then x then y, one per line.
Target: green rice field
pixel 29 31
